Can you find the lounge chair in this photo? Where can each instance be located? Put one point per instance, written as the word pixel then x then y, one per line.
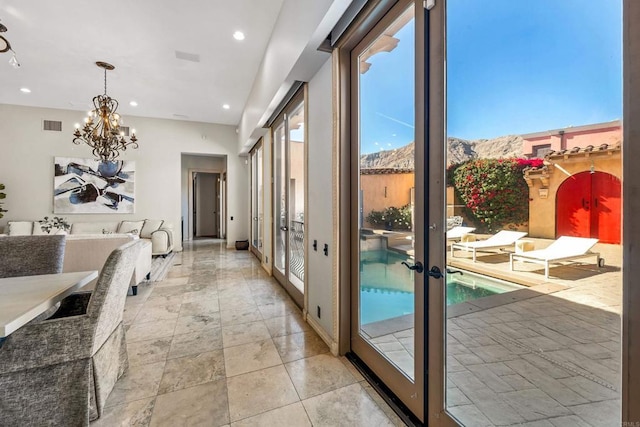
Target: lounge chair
pixel 564 249
pixel 456 233
pixel 502 239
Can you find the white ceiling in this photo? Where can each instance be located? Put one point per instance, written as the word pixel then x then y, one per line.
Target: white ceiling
pixel 58 42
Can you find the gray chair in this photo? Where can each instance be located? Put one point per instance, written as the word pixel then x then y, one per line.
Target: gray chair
pixel 60 371
pixel 31 255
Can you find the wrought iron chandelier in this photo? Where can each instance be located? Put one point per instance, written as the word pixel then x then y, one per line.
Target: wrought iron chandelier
pixel 101 130
pixel 5 46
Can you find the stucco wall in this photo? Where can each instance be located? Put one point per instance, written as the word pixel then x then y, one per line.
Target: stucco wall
pixel 382 191
pixel 542 211
pixel 570 139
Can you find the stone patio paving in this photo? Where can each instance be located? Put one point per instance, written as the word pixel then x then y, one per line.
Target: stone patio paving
pixel 548 355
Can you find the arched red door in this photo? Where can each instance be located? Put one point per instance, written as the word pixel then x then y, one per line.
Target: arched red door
pixel 588 205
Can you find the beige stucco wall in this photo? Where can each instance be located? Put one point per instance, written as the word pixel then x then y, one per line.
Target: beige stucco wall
pixel 385 190
pixel 542 211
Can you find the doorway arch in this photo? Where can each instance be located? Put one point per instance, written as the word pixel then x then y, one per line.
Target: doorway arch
pixel 588 204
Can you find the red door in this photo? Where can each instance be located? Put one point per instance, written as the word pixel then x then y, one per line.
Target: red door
pixel 588 205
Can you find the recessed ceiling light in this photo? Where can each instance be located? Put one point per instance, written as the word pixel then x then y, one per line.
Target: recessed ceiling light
pixel 133 103
pixel 25 90
pixel 226 106
pixel 238 35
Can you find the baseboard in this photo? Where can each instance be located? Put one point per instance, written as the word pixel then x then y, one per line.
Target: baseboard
pixel 333 346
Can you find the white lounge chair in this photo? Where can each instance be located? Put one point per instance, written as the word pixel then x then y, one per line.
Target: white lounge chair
pixel 502 239
pixel 456 233
pixel 564 249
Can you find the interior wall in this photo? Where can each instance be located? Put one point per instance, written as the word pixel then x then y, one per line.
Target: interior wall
pixel 319 218
pixel 189 162
pixel 26 165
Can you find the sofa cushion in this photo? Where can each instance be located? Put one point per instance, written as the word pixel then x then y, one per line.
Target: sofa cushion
pixel 94 227
pixel 150 225
pixel 131 227
pixel 20 228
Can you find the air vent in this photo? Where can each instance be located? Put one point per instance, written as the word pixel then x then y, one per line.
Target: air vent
pixel 125 130
pixel 193 57
pixel 52 125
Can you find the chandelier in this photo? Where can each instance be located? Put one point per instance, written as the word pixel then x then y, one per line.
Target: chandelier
pixel 101 130
pixel 5 46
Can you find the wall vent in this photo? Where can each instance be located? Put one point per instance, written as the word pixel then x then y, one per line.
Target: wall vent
pixel 52 125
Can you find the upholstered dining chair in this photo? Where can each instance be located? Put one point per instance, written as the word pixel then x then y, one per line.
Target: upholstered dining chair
pixel 60 371
pixel 31 255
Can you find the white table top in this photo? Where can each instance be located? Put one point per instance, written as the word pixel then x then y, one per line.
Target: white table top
pixel 22 299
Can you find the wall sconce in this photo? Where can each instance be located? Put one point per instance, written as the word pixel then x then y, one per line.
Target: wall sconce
pixel 592 169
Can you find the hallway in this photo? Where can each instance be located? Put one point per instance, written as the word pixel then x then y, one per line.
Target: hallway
pixel 218 342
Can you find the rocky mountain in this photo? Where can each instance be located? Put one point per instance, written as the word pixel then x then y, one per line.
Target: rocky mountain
pixel 458 151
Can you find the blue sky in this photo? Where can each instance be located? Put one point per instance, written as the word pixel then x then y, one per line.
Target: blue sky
pixel 513 66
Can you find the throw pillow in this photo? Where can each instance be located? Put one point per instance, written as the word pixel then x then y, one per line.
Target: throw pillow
pixel 150 225
pixel 20 228
pixel 130 226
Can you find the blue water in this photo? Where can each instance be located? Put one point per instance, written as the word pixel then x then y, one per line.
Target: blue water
pixel 386 286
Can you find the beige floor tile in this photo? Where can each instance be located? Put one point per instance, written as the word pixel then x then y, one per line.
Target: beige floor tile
pixel 172 282
pixel 153 313
pixel 200 306
pixel 234 316
pixel 245 333
pixel 150 330
pixel 296 346
pixel 148 351
pixel 137 383
pixel 195 342
pixel 347 406
pixel 187 324
pixel 278 309
pixel 167 291
pixel 202 405
pixel 130 313
pixel 193 370
pixel 290 415
pixel 133 414
pixel 286 325
pixel 260 391
pixel 250 357
pixel 318 374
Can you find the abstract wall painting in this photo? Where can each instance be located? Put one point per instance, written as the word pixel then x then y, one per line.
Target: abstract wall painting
pixel 84 186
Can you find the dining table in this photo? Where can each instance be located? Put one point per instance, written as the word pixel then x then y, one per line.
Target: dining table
pixel 24 298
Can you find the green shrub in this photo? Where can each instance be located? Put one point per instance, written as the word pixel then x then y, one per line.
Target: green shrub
pixel 391 218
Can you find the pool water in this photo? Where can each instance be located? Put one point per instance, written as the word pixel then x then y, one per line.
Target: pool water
pixel 386 289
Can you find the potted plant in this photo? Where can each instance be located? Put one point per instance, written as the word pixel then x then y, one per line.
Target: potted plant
pixel 58 223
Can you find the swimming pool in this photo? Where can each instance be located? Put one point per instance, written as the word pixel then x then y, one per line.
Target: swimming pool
pixel 386 289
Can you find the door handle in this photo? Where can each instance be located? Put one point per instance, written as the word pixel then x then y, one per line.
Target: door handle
pixel 284 228
pixel 417 267
pixel 436 273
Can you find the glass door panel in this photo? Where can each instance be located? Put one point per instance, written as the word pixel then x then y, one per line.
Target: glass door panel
pixel 279 200
pixel 387 296
pixel 532 318
pixel 295 123
pixel 254 200
pixel 260 190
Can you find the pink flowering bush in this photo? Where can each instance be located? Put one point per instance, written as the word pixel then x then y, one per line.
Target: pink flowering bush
pixel 494 190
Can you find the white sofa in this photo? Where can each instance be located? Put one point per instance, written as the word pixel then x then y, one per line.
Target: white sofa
pixel 158 232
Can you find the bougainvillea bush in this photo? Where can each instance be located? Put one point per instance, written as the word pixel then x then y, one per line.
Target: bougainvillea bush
pixel 494 190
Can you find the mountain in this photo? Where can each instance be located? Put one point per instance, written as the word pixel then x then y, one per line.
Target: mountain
pixel 458 151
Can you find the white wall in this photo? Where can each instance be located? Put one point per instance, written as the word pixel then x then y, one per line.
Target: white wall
pixel 26 165
pixel 202 163
pixel 319 217
pixel 291 55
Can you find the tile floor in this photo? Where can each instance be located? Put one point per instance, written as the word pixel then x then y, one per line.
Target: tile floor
pixel 219 343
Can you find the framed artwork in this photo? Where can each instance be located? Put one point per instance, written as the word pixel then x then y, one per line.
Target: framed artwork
pixel 83 186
